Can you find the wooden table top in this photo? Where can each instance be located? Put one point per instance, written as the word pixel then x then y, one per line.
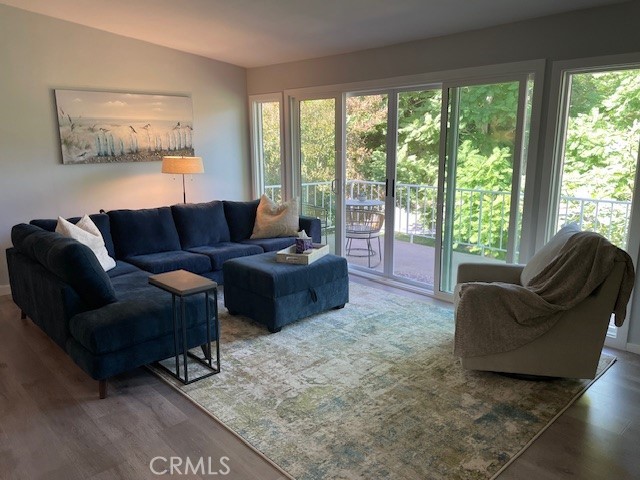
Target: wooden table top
pixel 182 283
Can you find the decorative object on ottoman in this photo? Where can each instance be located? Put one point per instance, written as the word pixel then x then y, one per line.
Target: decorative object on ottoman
pixel 276 294
pixel 289 254
pixel 303 242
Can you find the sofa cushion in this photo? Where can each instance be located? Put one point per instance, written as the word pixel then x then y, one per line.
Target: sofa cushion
pixel 241 216
pixel 122 268
pixel 138 232
pixel 143 313
pixel 200 223
pixel 222 252
pixel 167 261
pixel 101 221
pixel 74 263
pixel 271 244
pixel 547 253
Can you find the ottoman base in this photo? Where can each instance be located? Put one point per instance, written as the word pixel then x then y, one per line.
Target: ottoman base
pixel 275 311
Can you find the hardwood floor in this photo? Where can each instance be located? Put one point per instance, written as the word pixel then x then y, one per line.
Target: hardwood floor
pixel 53 426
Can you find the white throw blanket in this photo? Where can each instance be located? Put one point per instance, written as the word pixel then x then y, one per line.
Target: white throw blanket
pixel 499 317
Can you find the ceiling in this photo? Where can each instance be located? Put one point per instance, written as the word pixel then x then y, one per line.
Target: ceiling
pixel 253 33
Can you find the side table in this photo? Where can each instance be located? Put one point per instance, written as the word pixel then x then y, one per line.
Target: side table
pixel 181 284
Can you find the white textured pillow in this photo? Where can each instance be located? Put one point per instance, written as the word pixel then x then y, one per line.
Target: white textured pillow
pixel 86 232
pixel 548 252
pixel 276 220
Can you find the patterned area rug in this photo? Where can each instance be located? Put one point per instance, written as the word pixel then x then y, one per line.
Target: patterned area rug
pixel 373 391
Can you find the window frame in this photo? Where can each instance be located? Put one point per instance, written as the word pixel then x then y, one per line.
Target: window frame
pixel 548 189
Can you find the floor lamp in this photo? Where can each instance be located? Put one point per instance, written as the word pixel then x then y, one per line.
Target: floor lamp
pixel 182 166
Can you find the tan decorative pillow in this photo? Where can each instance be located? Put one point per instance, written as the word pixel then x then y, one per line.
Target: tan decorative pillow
pixel 276 220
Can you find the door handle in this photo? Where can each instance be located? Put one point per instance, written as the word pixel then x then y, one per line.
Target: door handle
pixel 333 185
pixel 386 187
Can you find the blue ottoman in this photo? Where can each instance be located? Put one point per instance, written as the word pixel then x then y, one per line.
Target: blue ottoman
pixel 276 294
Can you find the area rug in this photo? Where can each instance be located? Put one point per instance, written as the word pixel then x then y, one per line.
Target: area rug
pixel 373 391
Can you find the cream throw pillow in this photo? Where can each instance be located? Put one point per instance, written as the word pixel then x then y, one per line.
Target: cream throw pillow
pixel 548 252
pixel 86 232
pixel 276 220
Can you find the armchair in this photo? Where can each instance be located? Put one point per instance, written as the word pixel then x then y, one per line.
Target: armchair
pixel 570 345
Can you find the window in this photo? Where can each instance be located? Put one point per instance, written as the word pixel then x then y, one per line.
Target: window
pixel 267 146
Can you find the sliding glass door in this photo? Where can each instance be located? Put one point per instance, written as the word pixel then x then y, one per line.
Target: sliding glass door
pixel 366 185
pixel 481 175
pixel 316 160
pixel 392 157
pixel 409 180
pixel 416 184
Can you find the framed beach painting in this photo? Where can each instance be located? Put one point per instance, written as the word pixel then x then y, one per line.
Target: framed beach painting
pixel 111 127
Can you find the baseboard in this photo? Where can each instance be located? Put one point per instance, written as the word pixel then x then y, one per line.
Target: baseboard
pixel 5 290
pixel 633 348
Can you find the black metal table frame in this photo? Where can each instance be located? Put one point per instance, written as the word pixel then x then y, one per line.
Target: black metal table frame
pixel 206 361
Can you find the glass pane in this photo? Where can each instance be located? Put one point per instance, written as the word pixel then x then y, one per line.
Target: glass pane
pixel 366 172
pixel 318 163
pixel 418 155
pixel 478 175
pixel 601 152
pixel 599 160
pixel 269 153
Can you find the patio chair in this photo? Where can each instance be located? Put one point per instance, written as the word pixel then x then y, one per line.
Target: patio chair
pixel 319 212
pixel 364 224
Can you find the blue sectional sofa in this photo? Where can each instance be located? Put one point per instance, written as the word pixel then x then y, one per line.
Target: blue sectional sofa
pixel 111 322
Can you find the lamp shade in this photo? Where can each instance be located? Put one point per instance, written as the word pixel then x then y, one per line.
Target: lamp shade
pixel 183 165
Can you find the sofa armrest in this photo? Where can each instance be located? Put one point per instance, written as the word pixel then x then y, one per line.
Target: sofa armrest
pixel 45 298
pixel 489 272
pixel 312 226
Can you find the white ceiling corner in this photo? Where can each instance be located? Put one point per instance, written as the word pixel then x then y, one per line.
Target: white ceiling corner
pixel 253 33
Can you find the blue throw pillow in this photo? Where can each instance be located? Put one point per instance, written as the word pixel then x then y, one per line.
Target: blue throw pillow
pixel 139 232
pixel 200 224
pixel 241 217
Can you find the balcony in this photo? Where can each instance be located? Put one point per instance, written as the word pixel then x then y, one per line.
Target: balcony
pixel 480 222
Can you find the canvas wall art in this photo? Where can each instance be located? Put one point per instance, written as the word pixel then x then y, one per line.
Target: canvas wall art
pixel 111 127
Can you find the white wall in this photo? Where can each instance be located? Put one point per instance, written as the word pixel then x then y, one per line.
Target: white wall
pixel 39 54
pixel 587 33
pixel 584 33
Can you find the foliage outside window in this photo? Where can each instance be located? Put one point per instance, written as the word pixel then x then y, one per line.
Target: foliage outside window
pixel 601 152
pixel 269 115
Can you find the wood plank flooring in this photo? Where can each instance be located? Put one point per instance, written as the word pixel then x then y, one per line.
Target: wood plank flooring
pixel 53 426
